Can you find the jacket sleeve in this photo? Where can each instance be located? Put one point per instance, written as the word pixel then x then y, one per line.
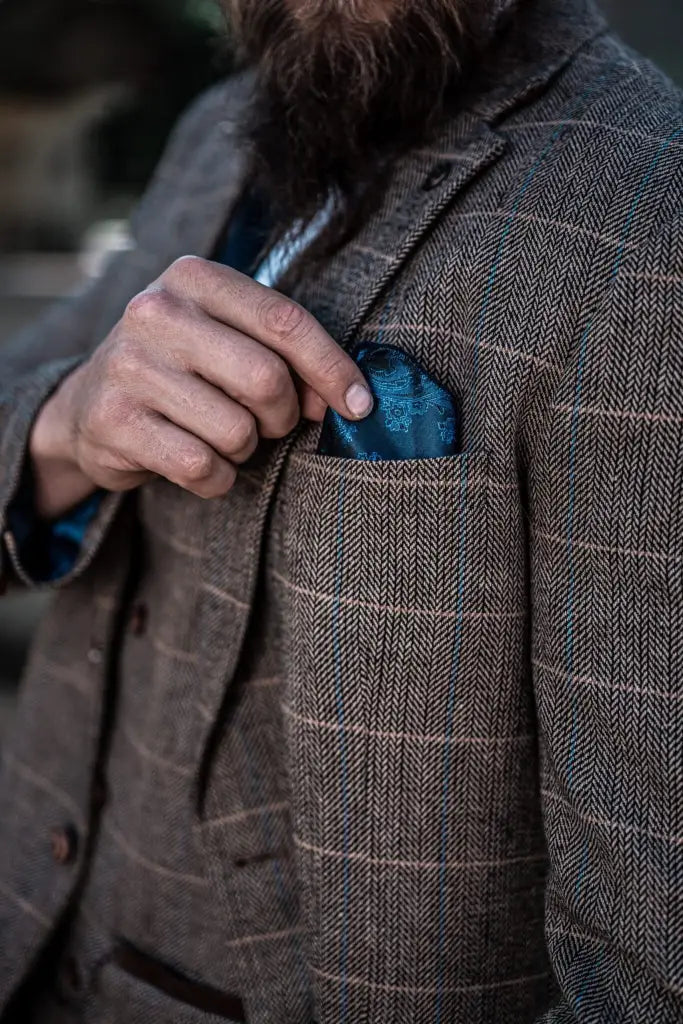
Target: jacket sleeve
pixel 606 497
pixel 33 363
pixel 48 550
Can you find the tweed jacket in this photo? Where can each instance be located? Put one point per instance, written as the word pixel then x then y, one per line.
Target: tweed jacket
pixel 415 727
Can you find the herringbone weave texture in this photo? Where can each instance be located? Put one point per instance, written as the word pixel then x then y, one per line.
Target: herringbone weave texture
pixel 402 742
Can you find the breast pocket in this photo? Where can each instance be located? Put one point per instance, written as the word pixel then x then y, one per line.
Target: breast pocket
pixel 386 572
pixel 385 564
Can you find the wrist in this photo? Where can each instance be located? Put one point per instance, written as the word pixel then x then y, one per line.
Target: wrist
pixel 59 483
pixel 51 439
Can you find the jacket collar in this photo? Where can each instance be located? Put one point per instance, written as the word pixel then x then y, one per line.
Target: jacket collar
pixel 537 39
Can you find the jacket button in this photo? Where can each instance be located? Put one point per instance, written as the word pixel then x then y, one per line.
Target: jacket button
pixel 438 175
pixel 138 620
pixel 64 845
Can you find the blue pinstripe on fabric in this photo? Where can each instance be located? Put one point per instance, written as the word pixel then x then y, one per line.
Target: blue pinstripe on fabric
pixel 573 444
pixel 481 323
pixel 589 977
pixel 582 870
pixel 343 755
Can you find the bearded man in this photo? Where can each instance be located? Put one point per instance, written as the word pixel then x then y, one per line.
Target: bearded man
pixel 387 730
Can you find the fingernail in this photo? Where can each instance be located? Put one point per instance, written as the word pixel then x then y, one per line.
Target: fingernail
pixel 359 401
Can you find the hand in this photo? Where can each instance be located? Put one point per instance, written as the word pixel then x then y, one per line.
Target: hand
pixel 202 364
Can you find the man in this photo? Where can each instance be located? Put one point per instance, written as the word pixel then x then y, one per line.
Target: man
pixel 387 730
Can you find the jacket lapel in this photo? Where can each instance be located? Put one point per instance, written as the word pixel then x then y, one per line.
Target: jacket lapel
pixel 528 55
pixel 422 186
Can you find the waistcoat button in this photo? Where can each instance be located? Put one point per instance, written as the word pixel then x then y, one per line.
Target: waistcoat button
pixel 64 845
pixel 95 656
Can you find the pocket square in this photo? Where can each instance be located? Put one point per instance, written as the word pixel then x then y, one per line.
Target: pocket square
pixel 413 418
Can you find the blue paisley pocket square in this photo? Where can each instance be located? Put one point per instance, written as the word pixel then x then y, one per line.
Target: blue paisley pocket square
pixel 413 418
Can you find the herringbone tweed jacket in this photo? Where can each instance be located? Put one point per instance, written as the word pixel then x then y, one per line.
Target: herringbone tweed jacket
pixel 389 742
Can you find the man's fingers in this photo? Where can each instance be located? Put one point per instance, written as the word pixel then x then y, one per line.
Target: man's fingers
pixel 242 368
pixel 188 462
pixel 251 374
pixel 157 446
pixel 279 324
pixel 205 412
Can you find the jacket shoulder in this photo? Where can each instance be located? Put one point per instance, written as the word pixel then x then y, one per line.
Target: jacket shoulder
pixel 610 131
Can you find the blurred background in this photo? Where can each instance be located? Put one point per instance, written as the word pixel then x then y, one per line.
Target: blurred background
pixel 89 90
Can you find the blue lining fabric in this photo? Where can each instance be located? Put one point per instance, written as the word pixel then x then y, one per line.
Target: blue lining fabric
pixel 246 236
pixel 49 550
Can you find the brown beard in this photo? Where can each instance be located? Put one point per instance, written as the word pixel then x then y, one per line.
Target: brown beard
pixel 343 88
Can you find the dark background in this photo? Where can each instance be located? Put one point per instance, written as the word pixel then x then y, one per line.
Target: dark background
pixel 89 90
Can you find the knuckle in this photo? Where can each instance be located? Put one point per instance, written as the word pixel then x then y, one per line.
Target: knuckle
pixel 284 319
pixel 103 414
pixel 333 368
pixel 195 465
pixel 218 485
pixel 284 423
pixel 148 307
pixel 272 381
pixel 291 420
pixel 186 270
pixel 124 360
pixel 288 419
pixel 241 433
pixel 93 422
